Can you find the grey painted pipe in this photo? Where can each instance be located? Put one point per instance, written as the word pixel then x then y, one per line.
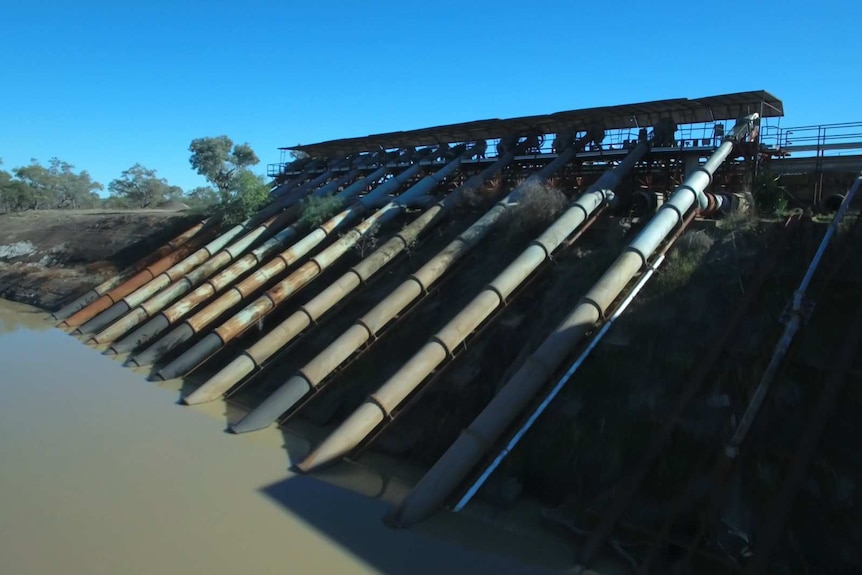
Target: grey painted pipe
pixel 451 469
pixel 383 402
pixel 174 272
pixel 166 296
pixel 313 183
pixel 561 383
pixel 140 305
pixel 161 321
pixel 110 283
pixel 275 207
pixel 216 284
pixel 313 373
pixel 196 323
pixel 301 277
pixel 259 354
pixel 790 329
pixel 104 302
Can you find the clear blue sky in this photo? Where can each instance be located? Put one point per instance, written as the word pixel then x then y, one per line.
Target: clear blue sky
pixel 106 84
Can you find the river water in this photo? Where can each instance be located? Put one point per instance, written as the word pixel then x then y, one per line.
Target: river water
pixel 102 472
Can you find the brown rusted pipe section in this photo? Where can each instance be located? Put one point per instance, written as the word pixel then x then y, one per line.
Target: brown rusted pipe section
pixel 113 282
pixel 631 484
pixel 267 272
pixel 382 403
pixel 312 375
pixel 141 311
pixel 116 294
pixel 451 469
pixel 152 274
pixel 177 272
pixel 306 273
pixel 236 293
pixel 166 296
pixel 259 354
pixel 151 307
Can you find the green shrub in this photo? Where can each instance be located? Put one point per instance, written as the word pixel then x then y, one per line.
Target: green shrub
pixel 318 209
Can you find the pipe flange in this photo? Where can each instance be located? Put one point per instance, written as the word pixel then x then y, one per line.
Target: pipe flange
pixel 442 344
pixel 589 301
pixel 251 357
pixel 385 412
pixel 371 334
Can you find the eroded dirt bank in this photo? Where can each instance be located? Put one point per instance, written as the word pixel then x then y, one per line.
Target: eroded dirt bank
pixel 50 256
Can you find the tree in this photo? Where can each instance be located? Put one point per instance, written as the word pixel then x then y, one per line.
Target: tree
pixel 140 187
pixel 220 162
pixel 57 186
pixel 251 194
pixel 202 197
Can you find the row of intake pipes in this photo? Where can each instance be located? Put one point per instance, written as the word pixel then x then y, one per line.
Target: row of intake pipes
pixel 163 306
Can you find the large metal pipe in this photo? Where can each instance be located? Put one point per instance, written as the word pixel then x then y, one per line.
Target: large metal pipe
pixel 792 325
pixel 627 489
pixel 769 533
pixel 185 267
pixel 301 277
pixel 256 356
pixel 166 296
pixel 214 285
pixel 561 383
pixel 119 278
pixel 178 271
pixel 313 183
pixel 152 272
pixel 270 270
pixel 381 404
pixel 310 377
pixel 451 469
pixel 169 286
pixel 329 188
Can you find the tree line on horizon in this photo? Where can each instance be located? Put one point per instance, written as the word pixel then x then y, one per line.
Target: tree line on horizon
pixel 234 188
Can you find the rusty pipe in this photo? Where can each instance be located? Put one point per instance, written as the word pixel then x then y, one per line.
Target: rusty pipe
pixel 199 321
pixel 141 306
pixel 161 281
pixel 165 297
pixel 256 356
pixel 301 277
pixel 152 272
pixel 312 375
pixel 119 278
pixel 383 402
pixel 451 469
pixel 176 272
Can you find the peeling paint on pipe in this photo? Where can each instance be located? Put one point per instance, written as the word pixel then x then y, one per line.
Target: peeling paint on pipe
pixel 165 297
pixel 113 282
pixel 451 469
pixel 260 277
pixel 315 372
pixel 175 273
pixel 258 354
pixel 148 274
pixel 141 310
pixel 286 288
pixel 380 405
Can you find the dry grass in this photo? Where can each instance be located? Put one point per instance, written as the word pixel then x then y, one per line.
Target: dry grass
pixel 537 207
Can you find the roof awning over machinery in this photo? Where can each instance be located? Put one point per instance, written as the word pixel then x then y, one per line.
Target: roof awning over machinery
pixel 682 110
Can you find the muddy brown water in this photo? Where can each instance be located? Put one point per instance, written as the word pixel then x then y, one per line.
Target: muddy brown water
pixel 102 472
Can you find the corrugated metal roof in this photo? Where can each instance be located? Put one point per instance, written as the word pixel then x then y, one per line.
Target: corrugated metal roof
pixel 682 110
